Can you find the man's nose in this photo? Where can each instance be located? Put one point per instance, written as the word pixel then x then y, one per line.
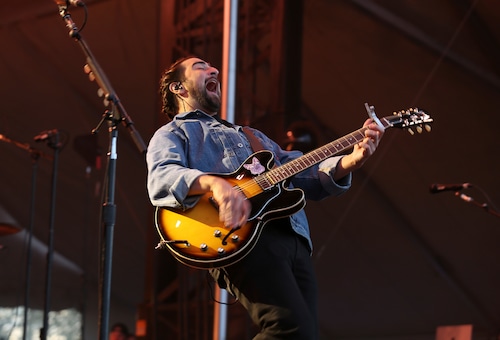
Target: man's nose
pixel 213 71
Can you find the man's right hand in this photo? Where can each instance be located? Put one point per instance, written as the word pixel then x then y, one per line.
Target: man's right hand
pixel 234 208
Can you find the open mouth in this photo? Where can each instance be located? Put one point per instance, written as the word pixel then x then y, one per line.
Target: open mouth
pixel 212 85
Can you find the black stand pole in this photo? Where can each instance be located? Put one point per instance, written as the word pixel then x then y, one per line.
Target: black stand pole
pixel 116 115
pixel 35 156
pixel 108 219
pixel 53 142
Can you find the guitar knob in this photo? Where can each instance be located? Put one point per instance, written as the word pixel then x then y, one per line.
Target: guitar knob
pixel 235 238
pixel 217 233
pixel 203 247
pixel 220 251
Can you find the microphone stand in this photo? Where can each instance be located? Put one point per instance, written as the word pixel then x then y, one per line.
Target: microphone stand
pixel 35 156
pixel 484 206
pixel 53 142
pixel 113 117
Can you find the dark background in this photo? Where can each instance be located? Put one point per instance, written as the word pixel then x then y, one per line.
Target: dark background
pixel 393 261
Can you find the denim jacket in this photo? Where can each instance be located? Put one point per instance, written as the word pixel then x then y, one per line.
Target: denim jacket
pixel 195 143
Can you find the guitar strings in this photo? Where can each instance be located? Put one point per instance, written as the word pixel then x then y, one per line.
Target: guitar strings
pixel 273 176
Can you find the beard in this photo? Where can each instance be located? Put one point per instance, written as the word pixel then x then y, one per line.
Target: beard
pixel 211 103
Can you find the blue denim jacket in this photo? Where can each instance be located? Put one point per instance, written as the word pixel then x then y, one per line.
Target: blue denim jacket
pixel 195 143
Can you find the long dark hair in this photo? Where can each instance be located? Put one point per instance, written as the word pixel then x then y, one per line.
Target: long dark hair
pixel 174 74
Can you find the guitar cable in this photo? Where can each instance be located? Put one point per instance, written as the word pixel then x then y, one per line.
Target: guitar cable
pixel 211 284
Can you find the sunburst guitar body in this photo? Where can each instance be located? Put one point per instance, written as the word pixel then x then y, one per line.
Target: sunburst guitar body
pixel 197 238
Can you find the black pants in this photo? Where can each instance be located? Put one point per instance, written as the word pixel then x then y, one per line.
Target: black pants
pixel 276 283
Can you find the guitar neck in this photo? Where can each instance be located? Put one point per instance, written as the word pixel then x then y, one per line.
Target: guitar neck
pixel 287 170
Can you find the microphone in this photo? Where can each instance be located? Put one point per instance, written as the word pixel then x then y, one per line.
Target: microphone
pixel 44 135
pixel 435 188
pixel 66 3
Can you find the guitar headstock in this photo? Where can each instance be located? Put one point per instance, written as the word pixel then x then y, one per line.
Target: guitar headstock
pixel 411 119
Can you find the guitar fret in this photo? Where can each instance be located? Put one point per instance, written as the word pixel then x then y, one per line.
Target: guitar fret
pixel 302 163
pixel 326 152
pixel 270 181
pixel 280 173
pixel 359 136
pixel 345 143
pixel 316 156
pixel 288 171
pixel 298 167
pixel 272 178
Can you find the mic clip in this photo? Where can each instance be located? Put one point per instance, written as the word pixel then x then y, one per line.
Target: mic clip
pixel 44 135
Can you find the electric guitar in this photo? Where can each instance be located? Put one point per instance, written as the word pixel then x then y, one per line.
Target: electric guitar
pixel 197 238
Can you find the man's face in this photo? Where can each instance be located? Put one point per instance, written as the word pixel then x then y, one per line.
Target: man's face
pixel 202 85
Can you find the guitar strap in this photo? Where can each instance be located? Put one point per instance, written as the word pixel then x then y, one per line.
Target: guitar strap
pixel 254 141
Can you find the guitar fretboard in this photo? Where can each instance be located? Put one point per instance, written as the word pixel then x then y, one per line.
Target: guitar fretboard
pixel 285 171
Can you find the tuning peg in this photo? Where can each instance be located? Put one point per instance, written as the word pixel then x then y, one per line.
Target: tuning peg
pixel 427 127
pixel 419 129
pixel 411 131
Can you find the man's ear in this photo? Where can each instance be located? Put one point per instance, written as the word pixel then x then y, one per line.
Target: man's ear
pixel 175 87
